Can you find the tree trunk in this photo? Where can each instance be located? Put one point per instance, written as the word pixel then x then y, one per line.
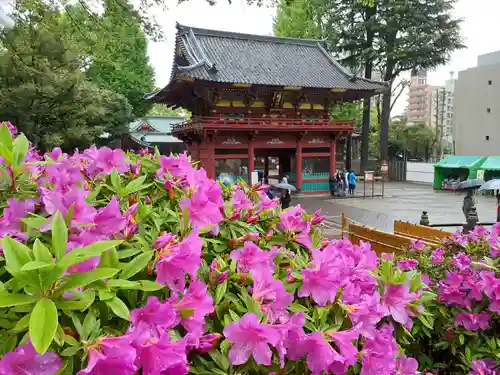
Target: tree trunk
pixel 384 126
pixel 370 11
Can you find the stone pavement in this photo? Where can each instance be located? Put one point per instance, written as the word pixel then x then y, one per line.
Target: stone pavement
pixel 402 201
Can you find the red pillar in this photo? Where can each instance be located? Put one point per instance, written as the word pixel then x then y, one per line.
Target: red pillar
pixel 333 158
pixel 298 164
pixel 207 156
pixel 251 162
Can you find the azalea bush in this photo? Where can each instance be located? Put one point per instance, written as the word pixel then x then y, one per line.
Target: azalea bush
pixel 116 263
pixel 460 329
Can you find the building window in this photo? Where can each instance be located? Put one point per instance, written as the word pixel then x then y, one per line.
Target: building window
pixel 487 137
pixel 489 82
pixel 488 110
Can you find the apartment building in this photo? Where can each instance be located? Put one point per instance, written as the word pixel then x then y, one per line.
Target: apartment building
pixel 476 120
pixel 422 100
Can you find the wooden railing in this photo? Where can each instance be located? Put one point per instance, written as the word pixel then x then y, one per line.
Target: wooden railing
pixel 245 123
pixel 385 242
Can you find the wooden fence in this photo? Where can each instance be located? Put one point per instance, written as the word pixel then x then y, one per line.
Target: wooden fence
pixel 384 242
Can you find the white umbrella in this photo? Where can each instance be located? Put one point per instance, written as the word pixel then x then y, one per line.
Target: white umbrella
pixel 491 185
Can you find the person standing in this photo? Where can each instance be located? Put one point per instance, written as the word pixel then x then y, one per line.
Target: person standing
pixel 352 182
pixel 468 204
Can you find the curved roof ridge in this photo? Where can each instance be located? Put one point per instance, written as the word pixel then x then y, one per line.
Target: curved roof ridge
pixel 247 36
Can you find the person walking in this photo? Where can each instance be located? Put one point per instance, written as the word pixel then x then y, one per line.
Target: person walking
pixel 352 182
pixel 468 204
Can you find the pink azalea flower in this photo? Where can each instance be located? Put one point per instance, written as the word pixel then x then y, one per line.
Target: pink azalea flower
pixel 320 354
pixel 178 166
pixel 378 355
pixel 321 282
pixel 416 246
pixel 154 319
pixel 55 154
pixel 83 213
pixel 161 356
pixel 204 207
pixel 177 259
pixel 240 201
pixel 452 292
pixel 250 338
pixel 407 264
pixel 250 258
pixel 107 159
pixel 292 339
pixel 11 127
pixel 271 294
pixel 437 256
pixel 461 261
pixel 114 355
pixel 343 340
pixel 25 360
pixel 367 313
pixel 292 221
pixel 483 367
pixel 406 366
pixel 492 290
pixel 395 300
pixel 387 256
pixel 197 301
pixel 10 223
pixel 208 342
pixel 304 238
pixel 265 203
pixel 109 220
pixel 317 218
pixel 473 322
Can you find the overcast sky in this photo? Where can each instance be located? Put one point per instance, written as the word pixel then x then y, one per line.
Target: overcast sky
pixel 481 30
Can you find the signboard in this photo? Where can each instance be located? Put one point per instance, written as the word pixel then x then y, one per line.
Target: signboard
pixel 384 167
pixel 480 174
pixel 369 175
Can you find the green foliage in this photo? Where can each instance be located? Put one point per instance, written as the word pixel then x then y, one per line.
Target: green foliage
pixel 164 110
pixel 45 91
pixel 416 141
pixel 120 61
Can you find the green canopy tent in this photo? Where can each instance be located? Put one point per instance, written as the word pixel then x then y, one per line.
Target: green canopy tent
pixel 464 167
pixel 490 169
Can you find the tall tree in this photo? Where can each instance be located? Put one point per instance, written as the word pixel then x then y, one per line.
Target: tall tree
pixel 406 34
pixel 119 60
pixel 44 88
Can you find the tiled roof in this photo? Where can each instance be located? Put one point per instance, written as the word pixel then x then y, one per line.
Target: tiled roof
pixel 222 56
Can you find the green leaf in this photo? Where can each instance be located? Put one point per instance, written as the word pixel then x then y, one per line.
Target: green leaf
pixel 35 265
pixel 135 185
pixel 135 266
pixel 16 254
pixel 11 299
pixel 186 313
pixel 81 279
pixel 119 308
pixel 150 286
pixel 22 324
pixel 42 253
pixel 43 324
pixel 123 284
pixel 80 255
pixel 81 303
pixel 71 351
pixel 90 323
pixel 59 236
pixel 220 291
pixel 115 180
pixel 21 146
pixel 6 136
pixel 105 295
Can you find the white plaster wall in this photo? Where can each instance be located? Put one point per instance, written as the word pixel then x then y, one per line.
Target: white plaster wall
pixel 420 172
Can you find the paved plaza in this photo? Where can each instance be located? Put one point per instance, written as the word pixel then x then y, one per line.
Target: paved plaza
pixel 402 201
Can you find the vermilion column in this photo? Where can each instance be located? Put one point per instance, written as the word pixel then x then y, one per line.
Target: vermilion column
pixel 251 154
pixel 333 158
pixel 207 156
pixel 298 164
pixel 211 159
